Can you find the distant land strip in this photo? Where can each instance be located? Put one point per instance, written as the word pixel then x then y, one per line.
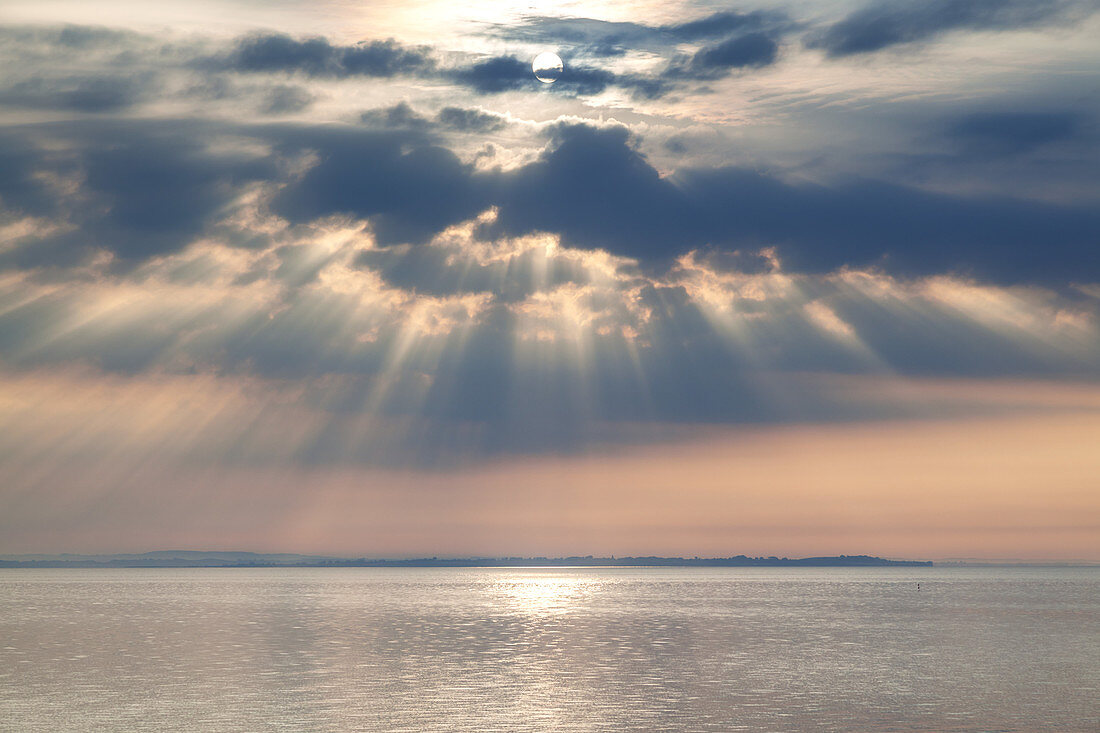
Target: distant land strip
pixel 197 559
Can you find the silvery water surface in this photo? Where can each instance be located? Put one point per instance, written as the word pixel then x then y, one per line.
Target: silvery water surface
pixel 550 649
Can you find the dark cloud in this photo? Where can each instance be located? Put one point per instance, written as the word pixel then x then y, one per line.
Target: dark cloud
pixel 23 190
pixel 724 23
pixel 83 37
pixel 409 190
pixel 902 230
pixel 402 116
pixel 148 189
pixel 752 50
pixel 159 194
pixel 397 116
pixel 144 189
pixel 77 94
pixel 748 40
pixel 65 38
pixel 508 73
pixel 317 57
pixel 726 260
pixel 588 36
pixel 891 22
pixel 285 99
pixel 278 52
pixel 592 37
pixel 462 119
pixel 752 41
pixel 498 74
pixel 595 190
pixel 1005 133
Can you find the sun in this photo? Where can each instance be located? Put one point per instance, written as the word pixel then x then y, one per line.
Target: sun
pixel 548 67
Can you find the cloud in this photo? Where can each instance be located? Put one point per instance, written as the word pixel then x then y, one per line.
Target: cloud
pixel 136 190
pixel 724 23
pixel 79 69
pixel 45 41
pixel 409 189
pixel 397 116
pixel 89 94
pixel 84 37
pixel 149 188
pixel 1009 133
pixel 23 188
pixel 402 116
pixel 595 190
pixel 752 50
pixel 278 52
pixel 453 267
pixel 508 73
pixel 317 57
pixel 744 40
pixel 594 37
pixel 889 23
pixel 463 119
pixel 754 43
pixel 818 228
pixel 286 98
pixel 498 74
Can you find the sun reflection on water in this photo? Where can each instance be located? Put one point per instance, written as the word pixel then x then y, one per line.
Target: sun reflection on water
pixel 544 593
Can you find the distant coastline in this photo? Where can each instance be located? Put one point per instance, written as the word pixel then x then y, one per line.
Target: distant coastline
pixel 199 559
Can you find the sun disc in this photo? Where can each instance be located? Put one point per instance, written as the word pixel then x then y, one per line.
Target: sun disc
pixel 548 67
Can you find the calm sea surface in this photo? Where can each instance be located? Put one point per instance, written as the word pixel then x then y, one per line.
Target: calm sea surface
pixel 550 649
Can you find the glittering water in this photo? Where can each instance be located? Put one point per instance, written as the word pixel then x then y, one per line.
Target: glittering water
pixel 550 649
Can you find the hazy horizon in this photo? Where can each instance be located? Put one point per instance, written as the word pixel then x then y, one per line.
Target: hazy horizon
pixel 411 556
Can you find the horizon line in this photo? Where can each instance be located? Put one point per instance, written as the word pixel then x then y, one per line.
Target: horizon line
pixel 246 558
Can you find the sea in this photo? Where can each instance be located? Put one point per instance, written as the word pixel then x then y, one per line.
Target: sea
pixel 549 649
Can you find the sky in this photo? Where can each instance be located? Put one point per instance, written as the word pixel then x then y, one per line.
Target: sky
pixel 766 278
